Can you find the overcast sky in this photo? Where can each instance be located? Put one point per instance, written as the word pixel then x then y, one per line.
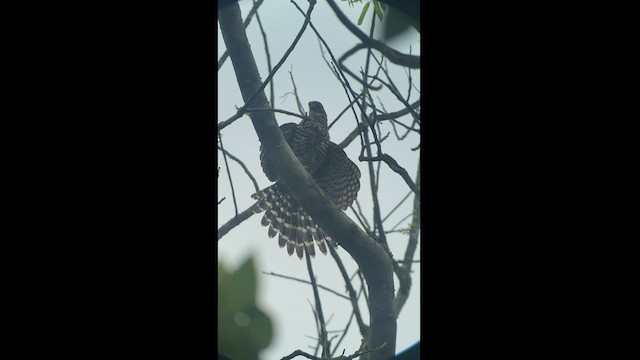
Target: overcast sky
pixel 288 303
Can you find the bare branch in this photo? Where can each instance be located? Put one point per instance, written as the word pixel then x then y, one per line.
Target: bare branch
pixel 353 134
pixel 344 68
pixel 393 165
pixel 343 80
pixel 235 221
pixel 253 10
pixel 403 272
pixel 249 99
pixel 316 296
pixel 343 111
pixel 397 206
pixel 394 56
pixel 295 94
pixel 346 328
pixel 361 218
pixel 401 221
pixel 341 357
pixel 364 329
pixel 372 259
pixel 266 50
pixel 380 117
pixel 226 164
pixel 395 92
pixel 244 167
pixel 377 220
pixel 399 113
pixel 307 282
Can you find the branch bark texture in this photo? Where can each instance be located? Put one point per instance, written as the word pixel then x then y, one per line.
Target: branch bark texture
pixel 371 258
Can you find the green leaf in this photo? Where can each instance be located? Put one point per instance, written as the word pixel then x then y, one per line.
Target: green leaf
pixel 363 13
pixel 377 9
pixel 243 328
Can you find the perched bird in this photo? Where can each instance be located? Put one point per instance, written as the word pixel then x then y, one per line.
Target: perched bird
pixel 333 171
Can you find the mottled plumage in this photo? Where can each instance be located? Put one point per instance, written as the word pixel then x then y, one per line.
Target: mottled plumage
pixel 333 171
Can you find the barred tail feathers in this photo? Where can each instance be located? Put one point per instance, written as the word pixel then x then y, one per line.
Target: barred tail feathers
pixel 295 229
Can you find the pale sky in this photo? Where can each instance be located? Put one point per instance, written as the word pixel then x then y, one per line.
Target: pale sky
pixel 288 303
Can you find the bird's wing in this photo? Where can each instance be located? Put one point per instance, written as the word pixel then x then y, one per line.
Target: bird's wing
pixel 287 131
pixel 339 177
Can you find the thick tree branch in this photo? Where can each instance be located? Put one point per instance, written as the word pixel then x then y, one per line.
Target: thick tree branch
pixel 256 5
pixel 371 258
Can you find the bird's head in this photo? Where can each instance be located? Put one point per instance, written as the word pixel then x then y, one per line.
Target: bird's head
pixel 316 106
pixel 317 113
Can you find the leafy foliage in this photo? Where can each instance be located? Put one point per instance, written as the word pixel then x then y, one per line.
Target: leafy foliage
pixel 378 8
pixel 243 329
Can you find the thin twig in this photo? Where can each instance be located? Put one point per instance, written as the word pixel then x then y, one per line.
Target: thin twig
pixel 353 134
pixel 394 56
pixel 403 272
pixel 364 292
pixel 244 167
pixel 341 357
pixel 345 84
pixel 323 330
pixel 343 112
pixel 235 221
pixel 366 229
pixel 393 88
pixel 364 329
pixel 401 221
pixel 378 228
pixel 226 163
pixel 248 102
pixel 393 165
pixel 380 117
pixel 268 55
pixel 399 113
pixel 344 68
pixel 397 206
pixel 364 218
pixel 346 328
pixel 307 282
pixel 295 94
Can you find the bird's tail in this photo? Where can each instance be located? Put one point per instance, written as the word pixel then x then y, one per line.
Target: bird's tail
pixel 295 228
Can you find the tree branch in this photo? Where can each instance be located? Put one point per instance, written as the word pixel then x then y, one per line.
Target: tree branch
pixel 307 282
pixel 244 167
pixel 235 221
pixel 364 329
pixel 256 5
pixel 226 164
pixel 403 272
pixel 316 296
pixel 394 56
pixel 371 258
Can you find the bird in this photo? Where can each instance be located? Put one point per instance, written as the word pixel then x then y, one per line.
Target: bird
pixel 330 167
